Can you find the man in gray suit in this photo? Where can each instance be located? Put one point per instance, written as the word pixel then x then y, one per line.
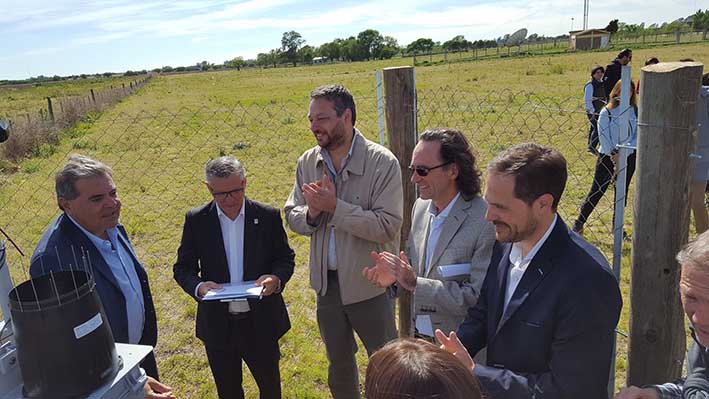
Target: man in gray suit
pixel 450 243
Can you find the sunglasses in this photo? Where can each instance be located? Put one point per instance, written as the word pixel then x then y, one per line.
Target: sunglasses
pixel 424 170
pixel 225 194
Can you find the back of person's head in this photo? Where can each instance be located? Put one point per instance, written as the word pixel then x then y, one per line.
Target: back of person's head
pixel 652 61
pixel 614 97
pixel 537 170
pixel 409 368
pixel 625 53
pixel 705 79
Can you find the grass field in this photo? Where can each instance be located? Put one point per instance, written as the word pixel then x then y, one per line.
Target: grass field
pixel 16 101
pixel 159 139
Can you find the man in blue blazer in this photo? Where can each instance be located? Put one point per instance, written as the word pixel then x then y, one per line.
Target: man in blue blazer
pixel 87 236
pixel 549 303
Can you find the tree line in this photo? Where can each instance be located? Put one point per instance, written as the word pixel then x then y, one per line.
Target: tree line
pixel 370 44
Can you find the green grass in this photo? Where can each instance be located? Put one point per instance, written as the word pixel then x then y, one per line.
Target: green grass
pixel 159 139
pixel 19 100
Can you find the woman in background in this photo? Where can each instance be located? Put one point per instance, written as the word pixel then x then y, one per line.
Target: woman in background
pixel 606 164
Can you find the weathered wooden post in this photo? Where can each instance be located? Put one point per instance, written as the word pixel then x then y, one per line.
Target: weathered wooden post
pixel 50 110
pixel 661 220
pixel 402 130
pixel 93 96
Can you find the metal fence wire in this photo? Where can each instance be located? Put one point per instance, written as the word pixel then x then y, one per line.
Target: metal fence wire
pixel 158 160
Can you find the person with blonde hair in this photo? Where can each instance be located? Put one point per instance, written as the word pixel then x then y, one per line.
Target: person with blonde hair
pixel 416 369
pixel 607 163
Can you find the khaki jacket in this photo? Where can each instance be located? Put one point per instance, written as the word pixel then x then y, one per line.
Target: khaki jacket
pixel 367 218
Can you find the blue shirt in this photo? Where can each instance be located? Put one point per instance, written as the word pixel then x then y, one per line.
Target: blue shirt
pixel 116 252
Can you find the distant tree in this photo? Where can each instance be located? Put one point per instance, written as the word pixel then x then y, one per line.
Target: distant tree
pixel 180 69
pixel 331 50
pixel 167 68
pixel 371 42
pixel 700 21
pixel 236 62
pixel 306 54
pixel 390 47
pixel 612 26
pixel 352 49
pixel 107 74
pixel 421 45
pixel 157 70
pixel 204 66
pixel 290 43
pixel 458 43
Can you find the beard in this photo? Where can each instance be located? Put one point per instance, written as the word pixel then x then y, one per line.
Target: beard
pixel 334 138
pixel 507 233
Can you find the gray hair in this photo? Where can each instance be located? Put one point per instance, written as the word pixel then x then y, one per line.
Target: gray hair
pixel 224 167
pixel 696 253
pixel 78 167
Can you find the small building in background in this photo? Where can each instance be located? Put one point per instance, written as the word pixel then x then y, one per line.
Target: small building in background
pixel 319 60
pixel 589 39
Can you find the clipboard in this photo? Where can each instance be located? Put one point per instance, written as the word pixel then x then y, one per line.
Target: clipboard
pixel 234 291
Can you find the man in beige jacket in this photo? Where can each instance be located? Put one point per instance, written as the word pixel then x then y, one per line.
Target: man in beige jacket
pixel 348 199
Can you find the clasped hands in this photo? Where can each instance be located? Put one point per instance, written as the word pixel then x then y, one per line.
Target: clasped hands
pixel 320 196
pixel 389 269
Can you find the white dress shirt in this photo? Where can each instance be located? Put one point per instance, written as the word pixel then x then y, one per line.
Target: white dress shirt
pixel 233 237
pixel 435 228
pixel 520 264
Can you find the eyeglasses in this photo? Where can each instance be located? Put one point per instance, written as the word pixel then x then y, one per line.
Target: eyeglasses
pixel 223 195
pixel 424 170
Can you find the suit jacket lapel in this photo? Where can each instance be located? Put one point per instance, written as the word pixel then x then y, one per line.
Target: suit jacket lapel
pixel 215 238
pixel 94 258
pixel 450 226
pixel 250 225
pixel 503 271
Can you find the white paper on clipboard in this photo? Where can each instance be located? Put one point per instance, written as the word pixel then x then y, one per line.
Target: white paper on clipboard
pixel 244 289
pixel 453 270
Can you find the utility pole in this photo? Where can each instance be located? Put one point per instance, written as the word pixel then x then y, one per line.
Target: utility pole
pixel 585 14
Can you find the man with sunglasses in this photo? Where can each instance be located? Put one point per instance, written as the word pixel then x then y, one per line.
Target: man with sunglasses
pixel 229 240
pixel 450 242
pixel 348 199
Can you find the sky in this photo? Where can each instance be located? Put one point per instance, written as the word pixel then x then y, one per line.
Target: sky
pixel 65 37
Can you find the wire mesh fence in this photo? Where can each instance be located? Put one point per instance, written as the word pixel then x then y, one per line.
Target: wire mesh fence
pixel 33 130
pixel 158 160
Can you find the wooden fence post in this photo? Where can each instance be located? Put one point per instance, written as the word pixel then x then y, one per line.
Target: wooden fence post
pixel 402 130
pixel 661 220
pixel 93 96
pixel 50 110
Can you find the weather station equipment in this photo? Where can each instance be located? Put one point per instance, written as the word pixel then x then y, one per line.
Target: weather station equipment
pixel 55 340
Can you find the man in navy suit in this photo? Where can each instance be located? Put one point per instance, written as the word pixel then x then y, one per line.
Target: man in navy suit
pixel 228 240
pixel 87 234
pixel 549 303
